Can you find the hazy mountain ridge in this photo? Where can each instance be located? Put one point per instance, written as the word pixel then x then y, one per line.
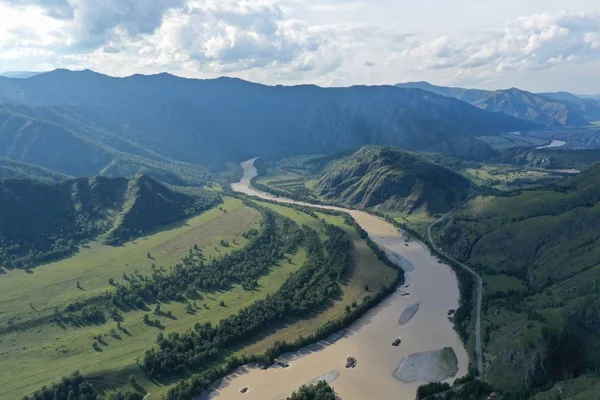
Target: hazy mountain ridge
pixel 588 108
pixel 163 117
pixel 62 140
pixel 543 110
pixel 394 180
pixel 41 221
pixel 20 74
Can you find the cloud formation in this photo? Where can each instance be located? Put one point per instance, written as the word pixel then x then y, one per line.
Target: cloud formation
pixel 236 35
pixel 284 41
pixel 527 43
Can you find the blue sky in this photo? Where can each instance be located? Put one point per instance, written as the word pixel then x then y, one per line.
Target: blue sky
pixel 536 45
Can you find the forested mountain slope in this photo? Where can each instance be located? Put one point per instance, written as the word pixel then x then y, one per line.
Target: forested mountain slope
pixel 95 123
pixel 41 221
pixel 71 142
pixel 539 109
pixel 539 252
pixel 394 180
pixel 19 170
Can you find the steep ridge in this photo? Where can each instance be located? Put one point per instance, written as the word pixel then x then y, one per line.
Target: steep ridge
pixel 209 122
pixel 539 109
pixel 543 246
pixel 42 221
pixel 394 180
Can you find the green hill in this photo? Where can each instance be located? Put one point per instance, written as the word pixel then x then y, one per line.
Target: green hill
pixel 41 221
pixel 392 180
pixel 539 252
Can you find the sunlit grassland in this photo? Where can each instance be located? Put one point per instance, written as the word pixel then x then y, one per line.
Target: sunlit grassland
pixel 36 351
pixel 418 220
pixel 27 296
pixel 505 177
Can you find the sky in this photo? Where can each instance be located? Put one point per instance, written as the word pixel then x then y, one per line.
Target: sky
pixel 536 45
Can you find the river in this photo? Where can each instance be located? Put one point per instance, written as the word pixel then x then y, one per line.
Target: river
pixel 431 285
pixel 554 143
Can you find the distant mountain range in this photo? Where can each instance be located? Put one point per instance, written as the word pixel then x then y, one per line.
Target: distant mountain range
pixel 544 109
pixel 392 179
pixel 85 123
pixel 20 74
pixel 590 96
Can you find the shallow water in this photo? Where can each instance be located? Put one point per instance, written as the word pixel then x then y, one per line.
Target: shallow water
pixel 432 285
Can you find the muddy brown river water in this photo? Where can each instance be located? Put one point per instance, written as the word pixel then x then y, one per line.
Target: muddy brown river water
pixel 431 285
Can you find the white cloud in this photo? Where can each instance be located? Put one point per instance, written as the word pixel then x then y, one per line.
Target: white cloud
pixel 297 41
pixel 224 36
pixel 535 42
pixel 337 7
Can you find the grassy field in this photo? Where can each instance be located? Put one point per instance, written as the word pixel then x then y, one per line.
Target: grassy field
pixel 418 220
pixel 36 351
pixel 505 177
pixel 290 175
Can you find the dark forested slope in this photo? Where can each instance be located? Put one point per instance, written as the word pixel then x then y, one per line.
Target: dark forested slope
pixel 41 221
pixel 10 169
pixel 539 251
pixel 73 142
pixel 394 180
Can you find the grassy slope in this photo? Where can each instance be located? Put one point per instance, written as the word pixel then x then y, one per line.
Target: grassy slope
pixel 505 177
pixel 40 354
